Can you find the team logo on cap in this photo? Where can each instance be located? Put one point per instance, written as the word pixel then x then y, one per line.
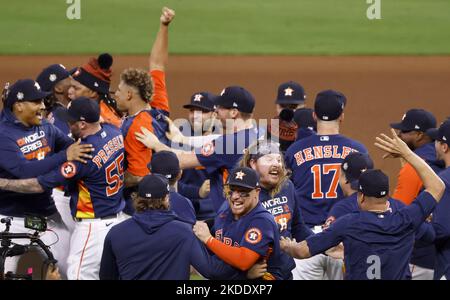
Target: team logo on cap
pixel 222 92
pixel 345 166
pixel 207 149
pixel 288 91
pixel 382 193
pixel 240 175
pixel 148 195
pixel 96 84
pixel 235 104
pixel 416 127
pixel 37 86
pixel 198 98
pixel 68 169
pixel 20 95
pixel 253 235
pixel 52 77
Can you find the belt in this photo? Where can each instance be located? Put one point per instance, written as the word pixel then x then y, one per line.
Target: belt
pixel 96 219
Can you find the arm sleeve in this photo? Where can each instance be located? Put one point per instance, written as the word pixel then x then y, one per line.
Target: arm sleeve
pixel 60 175
pixel 441 220
pixel 209 265
pixel 189 191
pixel 408 184
pixel 13 161
pixel 160 99
pixel 419 209
pixel 425 233
pixel 108 265
pixel 328 238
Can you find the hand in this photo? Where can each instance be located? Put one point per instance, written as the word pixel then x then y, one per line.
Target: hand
pixel 78 151
pixel 201 230
pixel 167 16
pixel 174 134
pixel 147 138
pixel 209 124
pixel 336 252
pixel 205 189
pixel 393 146
pixel 286 244
pixel 52 273
pixel 257 270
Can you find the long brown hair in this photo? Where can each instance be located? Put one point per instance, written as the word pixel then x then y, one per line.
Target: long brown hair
pixel 259 149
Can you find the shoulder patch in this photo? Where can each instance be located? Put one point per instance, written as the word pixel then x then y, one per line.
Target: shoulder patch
pixel 68 169
pixel 207 149
pixel 253 235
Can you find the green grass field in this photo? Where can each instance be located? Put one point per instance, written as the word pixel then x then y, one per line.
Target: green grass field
pixel 228 27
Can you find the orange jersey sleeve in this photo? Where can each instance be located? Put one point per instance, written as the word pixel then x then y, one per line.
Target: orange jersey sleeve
pixel 109 115
pixel 238 257
pixel 408 184
pixel 160 99
pixel 138 155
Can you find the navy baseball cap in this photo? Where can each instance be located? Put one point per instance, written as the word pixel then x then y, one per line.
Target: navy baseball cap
pixel 51 75
pixel 153 186
pixel 374 183
pixel 203 101
pixel 79 109
pixel 354 165
pixel 290 93
pixel 165 163
pixel 24 90
pixel 416 119
pixel 442 133
pixel 329 105
pixel 304 118
pixel 243 177
pixel 236 97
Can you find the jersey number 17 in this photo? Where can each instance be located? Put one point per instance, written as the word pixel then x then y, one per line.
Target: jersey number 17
pixel 322 170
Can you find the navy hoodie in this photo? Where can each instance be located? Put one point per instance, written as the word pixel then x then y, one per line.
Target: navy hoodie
pixel 27 152
pixel 154 245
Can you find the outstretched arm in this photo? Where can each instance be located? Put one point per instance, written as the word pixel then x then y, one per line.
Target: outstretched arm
pixel 160 53
pixel 431 181
pixel 27 186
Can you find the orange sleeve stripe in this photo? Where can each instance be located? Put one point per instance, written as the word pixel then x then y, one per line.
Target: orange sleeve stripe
pixel 408 185
pixel 160 99
pixel 238 257
pixel 138 155
pixel 109 116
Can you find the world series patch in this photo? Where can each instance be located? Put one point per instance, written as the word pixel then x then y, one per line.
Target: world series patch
pixel 253 235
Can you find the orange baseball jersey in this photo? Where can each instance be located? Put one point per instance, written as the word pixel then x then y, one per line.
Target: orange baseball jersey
pixel 109 115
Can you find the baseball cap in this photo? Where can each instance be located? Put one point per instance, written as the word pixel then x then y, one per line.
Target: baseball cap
pixel 290 92
pixel 51 75
pixel 416 119
pixel 329 105
pixel 304 118
pixel 236 97
pixel 165 163
pixel 354 165
pixel 24 90
pixel 442 133
pixel 153 186
pixel 243 177
pixel 374 183
pixel 79 109
pixel 202 100
pixel 96 74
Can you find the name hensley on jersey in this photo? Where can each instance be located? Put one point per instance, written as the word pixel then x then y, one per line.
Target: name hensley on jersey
pixel 319 152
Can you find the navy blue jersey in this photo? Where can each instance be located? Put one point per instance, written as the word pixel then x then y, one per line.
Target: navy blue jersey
pixel 441 225
pixel 27 152
pixel 95 187
pixel 376 245
pixel 156 245
pixel 286 210
pixel 222 155
pixel 182 206
pixel 315 162
pixel 258 232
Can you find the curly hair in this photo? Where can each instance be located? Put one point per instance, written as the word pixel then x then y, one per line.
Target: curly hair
pixel 139 79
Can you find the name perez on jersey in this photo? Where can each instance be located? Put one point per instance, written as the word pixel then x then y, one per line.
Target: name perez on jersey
pixel 319 152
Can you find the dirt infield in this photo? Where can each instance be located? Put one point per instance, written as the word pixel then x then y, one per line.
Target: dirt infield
pixel 379 89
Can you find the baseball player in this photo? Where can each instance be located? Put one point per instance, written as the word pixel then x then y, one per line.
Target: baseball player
pixel 234 110
pixel 412 130
pixel 291 96
pixel 155 244
pixel 440 221
pixel 377 242
pixel 29 147
pixel 315 162
pixel 92 80
pixel 245 232
pixel 306 124
pixel 145 106
pixel 95 187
